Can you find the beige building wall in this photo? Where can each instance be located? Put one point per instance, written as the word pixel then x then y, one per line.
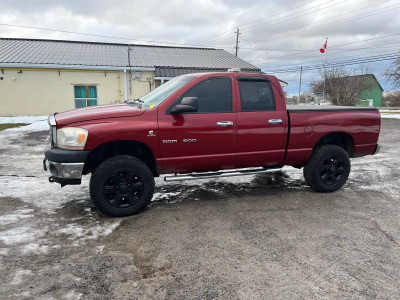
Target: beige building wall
pixel 30 92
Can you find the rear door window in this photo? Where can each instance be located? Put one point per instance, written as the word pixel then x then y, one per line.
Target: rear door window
pixel 256 95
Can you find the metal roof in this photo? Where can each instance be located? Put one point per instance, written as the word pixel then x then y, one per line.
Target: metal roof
pixel 169 72
pixel 54 52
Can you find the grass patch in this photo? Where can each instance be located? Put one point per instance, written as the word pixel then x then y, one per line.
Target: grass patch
pixel 390 112
pixel 383 118
pixel 12 125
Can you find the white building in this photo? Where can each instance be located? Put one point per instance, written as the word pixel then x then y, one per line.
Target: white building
pixel 40 77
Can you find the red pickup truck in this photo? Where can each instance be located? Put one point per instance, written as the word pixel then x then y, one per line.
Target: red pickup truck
pixel 200 126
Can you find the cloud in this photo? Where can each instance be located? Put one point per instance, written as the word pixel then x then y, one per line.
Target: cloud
pixel 274 34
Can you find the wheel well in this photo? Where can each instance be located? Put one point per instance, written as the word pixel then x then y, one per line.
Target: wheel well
pixel 136 149
pixel 340 139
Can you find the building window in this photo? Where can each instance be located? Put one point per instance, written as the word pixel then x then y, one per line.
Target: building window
pixel 85 96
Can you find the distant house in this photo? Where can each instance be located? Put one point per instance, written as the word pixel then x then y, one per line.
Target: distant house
pixel 370 96
pixel 39 77
pixel 373 92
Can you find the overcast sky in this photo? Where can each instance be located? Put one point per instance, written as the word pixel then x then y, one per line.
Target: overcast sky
pixel 276 36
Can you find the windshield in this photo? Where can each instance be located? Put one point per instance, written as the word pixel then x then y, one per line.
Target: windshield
pixel 161 93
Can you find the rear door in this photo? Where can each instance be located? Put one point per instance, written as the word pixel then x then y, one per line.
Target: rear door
pixel 261 123
pixel 204 140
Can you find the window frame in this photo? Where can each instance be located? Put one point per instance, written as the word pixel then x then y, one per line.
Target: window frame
pixel 255 79
pixel 86 99
pixel 179 99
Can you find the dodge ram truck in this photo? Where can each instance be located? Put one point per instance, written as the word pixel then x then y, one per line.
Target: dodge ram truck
pixel 202 126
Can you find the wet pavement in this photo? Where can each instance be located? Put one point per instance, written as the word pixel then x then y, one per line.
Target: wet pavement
pixel 251 237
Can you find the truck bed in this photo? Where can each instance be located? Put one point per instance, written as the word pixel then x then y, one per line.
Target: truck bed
pixel 325 108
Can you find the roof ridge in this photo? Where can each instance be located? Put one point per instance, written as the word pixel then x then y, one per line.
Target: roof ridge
pixel 104 43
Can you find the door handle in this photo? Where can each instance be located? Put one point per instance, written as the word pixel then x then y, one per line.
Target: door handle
pixel 225 123
pixel 275 121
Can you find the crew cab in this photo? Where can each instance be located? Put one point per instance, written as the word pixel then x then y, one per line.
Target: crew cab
pixel 200 126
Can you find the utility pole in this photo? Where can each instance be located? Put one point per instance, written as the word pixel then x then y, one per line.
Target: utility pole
pixel 237 40
pixel 130 71
pixel 301 71
pixel 326 60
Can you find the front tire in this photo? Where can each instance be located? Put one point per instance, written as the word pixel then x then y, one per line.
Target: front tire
pixel 327 169
pixel 121 186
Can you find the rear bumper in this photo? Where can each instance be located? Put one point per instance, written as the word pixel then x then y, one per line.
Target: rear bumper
pixel 65 166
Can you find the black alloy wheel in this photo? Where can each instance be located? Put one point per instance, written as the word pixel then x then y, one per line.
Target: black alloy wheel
pixel 123 189
pixel 332 170
pixel 327 169
pixel 121 186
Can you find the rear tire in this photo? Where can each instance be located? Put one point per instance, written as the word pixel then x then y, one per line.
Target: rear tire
pixel 121 186
pixel 327 169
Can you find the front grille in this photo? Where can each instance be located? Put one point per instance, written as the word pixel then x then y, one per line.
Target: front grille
pixel 53 130
pixel 53 136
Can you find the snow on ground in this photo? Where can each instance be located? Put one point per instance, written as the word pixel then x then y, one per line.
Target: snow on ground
pixel 390 114
pixel 37 123
pixel 22 179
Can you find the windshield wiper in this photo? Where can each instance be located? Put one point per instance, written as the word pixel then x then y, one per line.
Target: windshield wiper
pixel 131 101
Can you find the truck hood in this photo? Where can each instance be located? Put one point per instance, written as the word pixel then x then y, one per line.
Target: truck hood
pixel 98 112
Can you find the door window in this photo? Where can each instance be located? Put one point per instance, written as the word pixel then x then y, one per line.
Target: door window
pixel 214 95
pixel 256 95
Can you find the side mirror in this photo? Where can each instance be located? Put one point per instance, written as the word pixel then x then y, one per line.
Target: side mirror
pixel 188 104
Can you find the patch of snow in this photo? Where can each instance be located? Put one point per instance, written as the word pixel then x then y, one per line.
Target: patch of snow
pixel 390 116
pixel 23 119
pixel 161 196
pixel 21 235
pixel 4 251
pixel 19 275
pixel 72 295
pixel 100 248
pixel 42 194
pixel 79 233
pixel 36 123
pixel 34 248
pixel 16 216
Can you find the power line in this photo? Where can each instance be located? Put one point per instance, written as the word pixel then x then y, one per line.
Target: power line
pixel 371 50
pixel 222 38
pixel 98 35
pixel 340 22
pixel 339 63
pixel 273 22
pixel 226 38
pixel 243 25
pixel 345 44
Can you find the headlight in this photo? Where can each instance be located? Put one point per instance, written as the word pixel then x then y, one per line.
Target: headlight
pixel 72 138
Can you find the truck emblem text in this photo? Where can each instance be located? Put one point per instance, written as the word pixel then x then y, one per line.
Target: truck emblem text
pixel 151 133
pixel 169 141
pixel 189 140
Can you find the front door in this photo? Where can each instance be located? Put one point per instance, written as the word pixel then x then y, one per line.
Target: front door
pixel 204 140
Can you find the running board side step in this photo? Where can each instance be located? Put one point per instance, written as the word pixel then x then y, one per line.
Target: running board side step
pixel 193 176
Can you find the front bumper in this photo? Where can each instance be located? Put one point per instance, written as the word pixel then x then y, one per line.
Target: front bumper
pixel 65 166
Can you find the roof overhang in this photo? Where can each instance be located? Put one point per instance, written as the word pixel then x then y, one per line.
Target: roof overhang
pixel 72 67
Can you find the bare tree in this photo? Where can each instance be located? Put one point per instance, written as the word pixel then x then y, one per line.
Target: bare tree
pixel 391 99
pixel 393 73
pixel 342 86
